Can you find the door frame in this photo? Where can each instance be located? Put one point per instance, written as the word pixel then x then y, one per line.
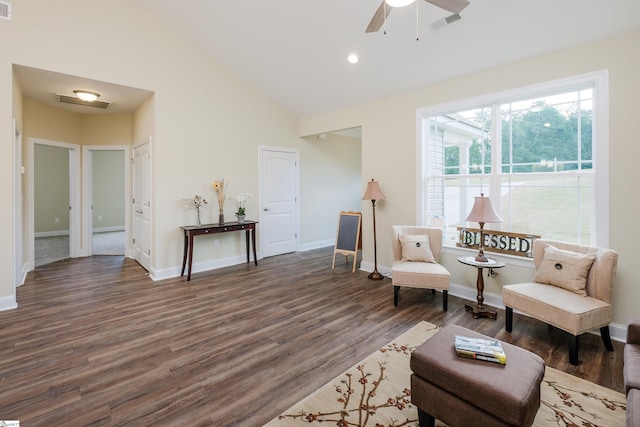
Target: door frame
pixel 87 195
pixel 74 196
pixel 296 152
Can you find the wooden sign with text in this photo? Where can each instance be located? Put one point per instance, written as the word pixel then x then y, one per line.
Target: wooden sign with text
pixel 497 241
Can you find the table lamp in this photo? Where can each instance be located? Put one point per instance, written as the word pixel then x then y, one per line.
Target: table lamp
pixel 483 212
pixel 374 193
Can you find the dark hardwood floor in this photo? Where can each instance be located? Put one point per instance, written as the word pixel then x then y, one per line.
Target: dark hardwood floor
pixel 94 341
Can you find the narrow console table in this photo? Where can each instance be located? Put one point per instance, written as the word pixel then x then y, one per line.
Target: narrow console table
pixel 190 231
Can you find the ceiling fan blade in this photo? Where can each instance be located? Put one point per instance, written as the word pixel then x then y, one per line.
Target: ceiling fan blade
pixel 379 17
pixel 453 6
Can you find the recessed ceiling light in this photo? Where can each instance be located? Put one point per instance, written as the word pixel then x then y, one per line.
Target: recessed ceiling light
pixel 399 3
pixel 353 58
pixel 85 95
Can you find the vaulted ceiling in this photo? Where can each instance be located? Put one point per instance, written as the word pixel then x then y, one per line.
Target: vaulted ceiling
pixel 296 50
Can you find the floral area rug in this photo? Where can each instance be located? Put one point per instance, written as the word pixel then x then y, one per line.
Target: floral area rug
pixel 377 393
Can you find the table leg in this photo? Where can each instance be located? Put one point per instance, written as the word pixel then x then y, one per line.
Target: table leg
pixel 253 242
pixel 184 253
pixel 480 288
pixel 246 234
pixel 479 310
pixel 190 256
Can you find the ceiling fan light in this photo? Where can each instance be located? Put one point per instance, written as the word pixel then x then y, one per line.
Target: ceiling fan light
pixel 399 3
pixel 85 95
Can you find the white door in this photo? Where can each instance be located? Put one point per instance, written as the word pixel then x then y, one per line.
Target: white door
pixel 279 196
pixel 142 205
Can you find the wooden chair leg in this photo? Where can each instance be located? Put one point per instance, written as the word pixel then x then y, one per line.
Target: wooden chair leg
pixel 573 349
pixel 445 300
pixel 508 323
pixel 396 290
pixel 606 337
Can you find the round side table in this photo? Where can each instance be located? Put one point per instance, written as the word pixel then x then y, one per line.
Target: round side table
pixel 479 310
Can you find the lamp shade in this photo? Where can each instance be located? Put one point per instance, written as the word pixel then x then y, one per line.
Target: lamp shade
pixel 483 211
pixel 373 191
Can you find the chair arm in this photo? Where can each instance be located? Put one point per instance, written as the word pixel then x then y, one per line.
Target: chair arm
pixel 633 332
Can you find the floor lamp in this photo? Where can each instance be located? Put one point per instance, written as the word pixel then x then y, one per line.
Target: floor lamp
pixel 374 193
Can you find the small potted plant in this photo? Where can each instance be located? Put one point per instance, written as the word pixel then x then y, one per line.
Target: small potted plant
pixel 241 200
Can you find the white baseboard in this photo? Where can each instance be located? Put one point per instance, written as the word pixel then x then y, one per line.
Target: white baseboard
pixel 52 233
pixel 316 245
pixel 8 303
pixel 198 267
pixel 108 229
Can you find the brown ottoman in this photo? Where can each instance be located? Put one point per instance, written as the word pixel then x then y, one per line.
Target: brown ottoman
pixel 464 392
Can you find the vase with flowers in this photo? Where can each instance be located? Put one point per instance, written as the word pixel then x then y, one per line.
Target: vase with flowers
pixel 219 185
pixel 196 202
pixel 241 200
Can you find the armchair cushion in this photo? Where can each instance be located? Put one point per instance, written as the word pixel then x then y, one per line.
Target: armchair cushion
pixel 565 269
pixel 416 247
pixel 557 306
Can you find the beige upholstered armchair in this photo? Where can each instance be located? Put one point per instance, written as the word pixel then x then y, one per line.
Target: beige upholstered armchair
pixel 571 290
pixel 416 254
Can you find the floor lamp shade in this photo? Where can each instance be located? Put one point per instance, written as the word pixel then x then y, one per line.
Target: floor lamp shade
pixel 483 212
pixel 373 193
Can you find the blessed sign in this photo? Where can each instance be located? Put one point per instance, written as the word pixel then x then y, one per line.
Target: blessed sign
pixel 497 241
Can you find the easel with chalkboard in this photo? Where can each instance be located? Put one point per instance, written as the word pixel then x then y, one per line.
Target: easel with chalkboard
pixel 348 236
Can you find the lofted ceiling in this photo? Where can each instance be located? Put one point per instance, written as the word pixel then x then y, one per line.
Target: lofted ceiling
pixel 296 50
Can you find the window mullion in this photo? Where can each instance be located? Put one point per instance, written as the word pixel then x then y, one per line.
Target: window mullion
pixel 496 156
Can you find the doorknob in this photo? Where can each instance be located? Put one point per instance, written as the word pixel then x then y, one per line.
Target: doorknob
pixel 138 211
pixel 265 209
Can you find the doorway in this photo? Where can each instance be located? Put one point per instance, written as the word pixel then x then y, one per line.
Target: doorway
pixel 54 201
pixel 106 195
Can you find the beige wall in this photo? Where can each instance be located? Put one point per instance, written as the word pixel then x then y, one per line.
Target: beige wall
pixel 43 122
pixel 203 121
pixel 108 169
pixel 330 184
pixel 393 119
pixel 51 190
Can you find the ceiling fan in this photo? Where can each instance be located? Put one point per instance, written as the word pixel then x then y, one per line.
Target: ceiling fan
pixel 453 6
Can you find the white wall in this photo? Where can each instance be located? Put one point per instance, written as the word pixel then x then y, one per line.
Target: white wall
pixel 394 165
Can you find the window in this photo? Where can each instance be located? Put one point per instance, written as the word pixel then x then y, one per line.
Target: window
pixel 534 151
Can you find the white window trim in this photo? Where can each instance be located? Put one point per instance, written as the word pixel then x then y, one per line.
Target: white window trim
pixel 600 82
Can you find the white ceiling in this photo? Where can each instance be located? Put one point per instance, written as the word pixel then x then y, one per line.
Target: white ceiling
pixel 44 86
pixel 295 50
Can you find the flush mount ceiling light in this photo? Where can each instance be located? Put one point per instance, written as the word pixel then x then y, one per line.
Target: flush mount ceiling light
pixel 86 95
pixel 353 58
pixel 399 3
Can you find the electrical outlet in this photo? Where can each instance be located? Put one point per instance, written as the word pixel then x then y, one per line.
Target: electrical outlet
pixel 99 217
pixel 57 220
pixel 216 243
